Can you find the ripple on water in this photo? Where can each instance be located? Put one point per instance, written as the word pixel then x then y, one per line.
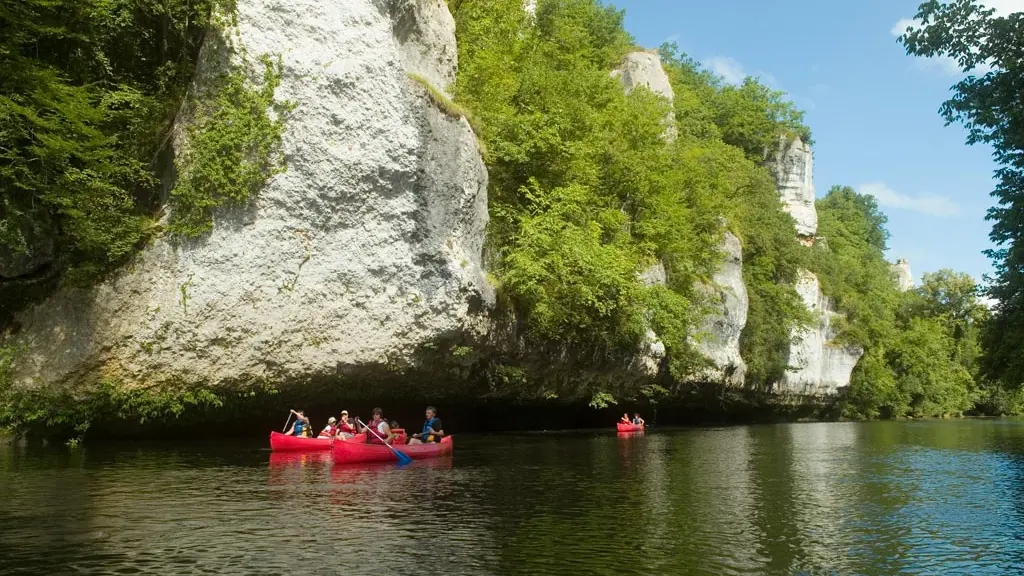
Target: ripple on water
pixel 799 499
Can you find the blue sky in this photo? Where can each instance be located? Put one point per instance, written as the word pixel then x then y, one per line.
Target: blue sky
pixel 872 109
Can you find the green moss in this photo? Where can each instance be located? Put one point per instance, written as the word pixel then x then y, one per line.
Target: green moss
pixel 448 106
pixel 444 103
pixel 234 146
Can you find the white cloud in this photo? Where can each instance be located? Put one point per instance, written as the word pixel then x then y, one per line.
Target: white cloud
pixel 1004 7
pixel 734 73
pixel 901 26
pixel 922 203
pixel 942 64
pixel 988 302
pixel 726 67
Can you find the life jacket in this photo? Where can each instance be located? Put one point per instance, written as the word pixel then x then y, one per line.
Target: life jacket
pixel 427 426
pixel 299 427
pixel 375 426
pixel 329 431
pixel 624 420
pixel 348 428
pixel 636 420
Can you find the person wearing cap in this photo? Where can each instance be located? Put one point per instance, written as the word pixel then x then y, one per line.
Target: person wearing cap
pixel 330 430
pixel 346 429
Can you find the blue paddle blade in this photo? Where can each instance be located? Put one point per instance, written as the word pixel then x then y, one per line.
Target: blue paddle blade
pixel 403 458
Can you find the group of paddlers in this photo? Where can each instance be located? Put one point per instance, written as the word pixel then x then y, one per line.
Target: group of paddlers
pixel 377 430
pixel 637 420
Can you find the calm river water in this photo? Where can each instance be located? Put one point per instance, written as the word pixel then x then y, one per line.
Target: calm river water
pixel 847 498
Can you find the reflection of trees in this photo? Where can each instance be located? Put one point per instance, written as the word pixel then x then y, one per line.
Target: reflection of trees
pixel 45 509
pixel 713 500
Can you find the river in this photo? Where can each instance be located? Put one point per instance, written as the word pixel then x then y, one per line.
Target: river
pixel 937 497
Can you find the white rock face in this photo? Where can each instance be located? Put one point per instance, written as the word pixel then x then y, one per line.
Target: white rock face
pixel 655 275
pixel 718 337
pixel 644 69
pixel 904 278
pixel 793 166
pixel 817 364
pixel 424 31
pixel 369 245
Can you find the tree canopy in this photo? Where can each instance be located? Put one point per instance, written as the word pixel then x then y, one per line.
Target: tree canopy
pixel 989 103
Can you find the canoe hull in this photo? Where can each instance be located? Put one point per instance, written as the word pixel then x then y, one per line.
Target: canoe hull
pixel 348 452
pixel 629 427
pixel 285 443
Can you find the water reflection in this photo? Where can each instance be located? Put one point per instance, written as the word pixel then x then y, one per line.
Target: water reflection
pixel 873 499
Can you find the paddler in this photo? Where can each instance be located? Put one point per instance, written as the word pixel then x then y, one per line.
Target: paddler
pixel 330 430
pixel 637 420
pixel 380 426
pixel 300 425
pixel 346 429
pixel 625 418
pixel 433 431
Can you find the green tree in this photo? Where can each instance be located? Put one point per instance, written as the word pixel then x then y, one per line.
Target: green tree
pixel 88 91
pixel 989 102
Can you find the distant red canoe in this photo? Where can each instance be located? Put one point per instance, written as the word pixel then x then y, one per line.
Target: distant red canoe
pixel 629 427
pixel 346 452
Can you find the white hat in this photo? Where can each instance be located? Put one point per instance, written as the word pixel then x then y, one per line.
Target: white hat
pixel 331 420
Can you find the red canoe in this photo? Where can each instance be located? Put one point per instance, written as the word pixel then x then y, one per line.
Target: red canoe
pixel 355 452
pixel 629 427
pixel 285 443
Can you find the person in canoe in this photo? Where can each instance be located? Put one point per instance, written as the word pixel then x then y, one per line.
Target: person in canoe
pixel 625 418
pixel 380 426
pixel 433 431
pixel 637 419
pixel 346 428
pixel 301 425
pixel 330 430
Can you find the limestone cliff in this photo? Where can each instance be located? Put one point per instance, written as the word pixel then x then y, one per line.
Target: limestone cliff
pixel 793 166
pixel 718 338
pixel 818 365
pixel 368 246
pixel 644 69
pixel 901 272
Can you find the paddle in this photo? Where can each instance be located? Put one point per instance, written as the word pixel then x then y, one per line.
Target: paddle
pixel 403 458
pixel 286 422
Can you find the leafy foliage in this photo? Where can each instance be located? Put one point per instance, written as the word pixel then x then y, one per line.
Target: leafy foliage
pixel 60 410
pixel 921 347
pixel 586 190
pixel 989 102
pixel 88 91
pixel 233 148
